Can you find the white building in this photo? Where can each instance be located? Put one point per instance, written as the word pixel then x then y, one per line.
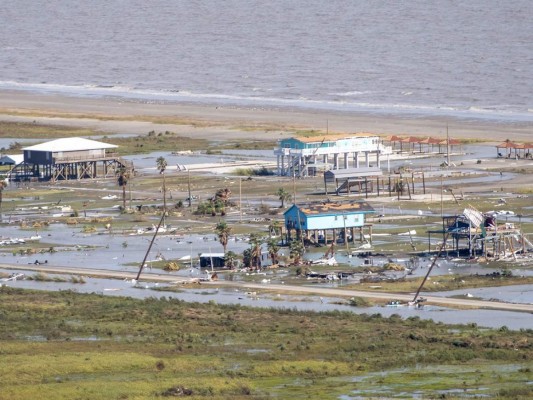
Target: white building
pixel 306 155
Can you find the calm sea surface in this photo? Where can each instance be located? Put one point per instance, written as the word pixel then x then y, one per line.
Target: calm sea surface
pixel 470 59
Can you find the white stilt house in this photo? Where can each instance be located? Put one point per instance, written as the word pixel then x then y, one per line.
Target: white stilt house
pixel 305 156
pixel 69 158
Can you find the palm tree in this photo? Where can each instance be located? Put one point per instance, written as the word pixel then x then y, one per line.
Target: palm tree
pixel 296 250
pixel 273 248
pixel 283 196
pixel 255 250
pixel 123 178
pixel 223 231
pixel 161 166
pixel 3 185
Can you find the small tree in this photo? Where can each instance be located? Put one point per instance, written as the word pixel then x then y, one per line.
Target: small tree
pixel 283 196
pixel 204 208
pixel 273 248
pixel 247 258
pixel 297 250
pixel 230 259
pixel 219 206
pixel 162 166
pixel 223 231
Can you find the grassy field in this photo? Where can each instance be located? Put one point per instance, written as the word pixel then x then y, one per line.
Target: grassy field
pixel 141 144
pixel 22 130
pixel 441 283
pixel 65 345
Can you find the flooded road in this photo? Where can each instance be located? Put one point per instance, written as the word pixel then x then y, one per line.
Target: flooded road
pixel 307 298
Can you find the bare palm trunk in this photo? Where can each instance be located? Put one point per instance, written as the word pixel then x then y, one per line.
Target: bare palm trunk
pixel 164 195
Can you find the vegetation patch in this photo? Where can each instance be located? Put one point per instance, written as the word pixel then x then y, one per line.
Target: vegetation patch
pixel 70 345
pixel 27 130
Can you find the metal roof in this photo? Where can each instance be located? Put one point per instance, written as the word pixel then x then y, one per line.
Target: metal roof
pixel 212 255
pixel 70 144
pixel 321 208
pixel 352 173
pixel 12 158
pixel 333 138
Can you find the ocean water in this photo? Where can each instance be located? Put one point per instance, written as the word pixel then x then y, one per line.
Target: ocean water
pixel 470 59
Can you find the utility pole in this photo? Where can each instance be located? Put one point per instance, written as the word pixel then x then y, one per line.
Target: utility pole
pixel 189 186
pixel 240 197
pixel 345 234
pixel 149 247
pixel 441 201
pixel 293 186
pixel 447 147
pixel 129 189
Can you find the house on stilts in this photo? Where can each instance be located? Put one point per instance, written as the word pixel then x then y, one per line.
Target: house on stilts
pixel 306 156
pixel 474 234
pixel 328 222
pixel 69 158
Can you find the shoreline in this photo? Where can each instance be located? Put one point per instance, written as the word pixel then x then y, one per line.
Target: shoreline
pixel 233 122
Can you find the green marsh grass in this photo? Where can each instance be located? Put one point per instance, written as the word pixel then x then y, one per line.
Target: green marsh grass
pixel 62 345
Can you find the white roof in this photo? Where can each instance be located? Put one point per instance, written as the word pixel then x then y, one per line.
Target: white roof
pixel 12 158
pixel 70 144
pixel 214 255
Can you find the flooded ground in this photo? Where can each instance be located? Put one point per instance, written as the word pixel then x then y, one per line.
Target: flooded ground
pixel 399 383
pixel 204 294
pixel 146 163
pixel 122 248
pixel 510 294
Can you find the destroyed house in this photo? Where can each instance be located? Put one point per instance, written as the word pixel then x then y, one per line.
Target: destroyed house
pixel 474 233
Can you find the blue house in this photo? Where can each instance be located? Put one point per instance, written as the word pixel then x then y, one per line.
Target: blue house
pixel 323 221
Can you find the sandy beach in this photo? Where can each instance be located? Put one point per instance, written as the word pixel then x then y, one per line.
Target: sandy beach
pixel 219 123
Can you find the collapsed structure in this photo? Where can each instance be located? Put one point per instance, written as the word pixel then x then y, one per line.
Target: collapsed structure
pixel 481 234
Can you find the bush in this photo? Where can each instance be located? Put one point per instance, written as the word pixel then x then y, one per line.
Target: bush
pixel 359 302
